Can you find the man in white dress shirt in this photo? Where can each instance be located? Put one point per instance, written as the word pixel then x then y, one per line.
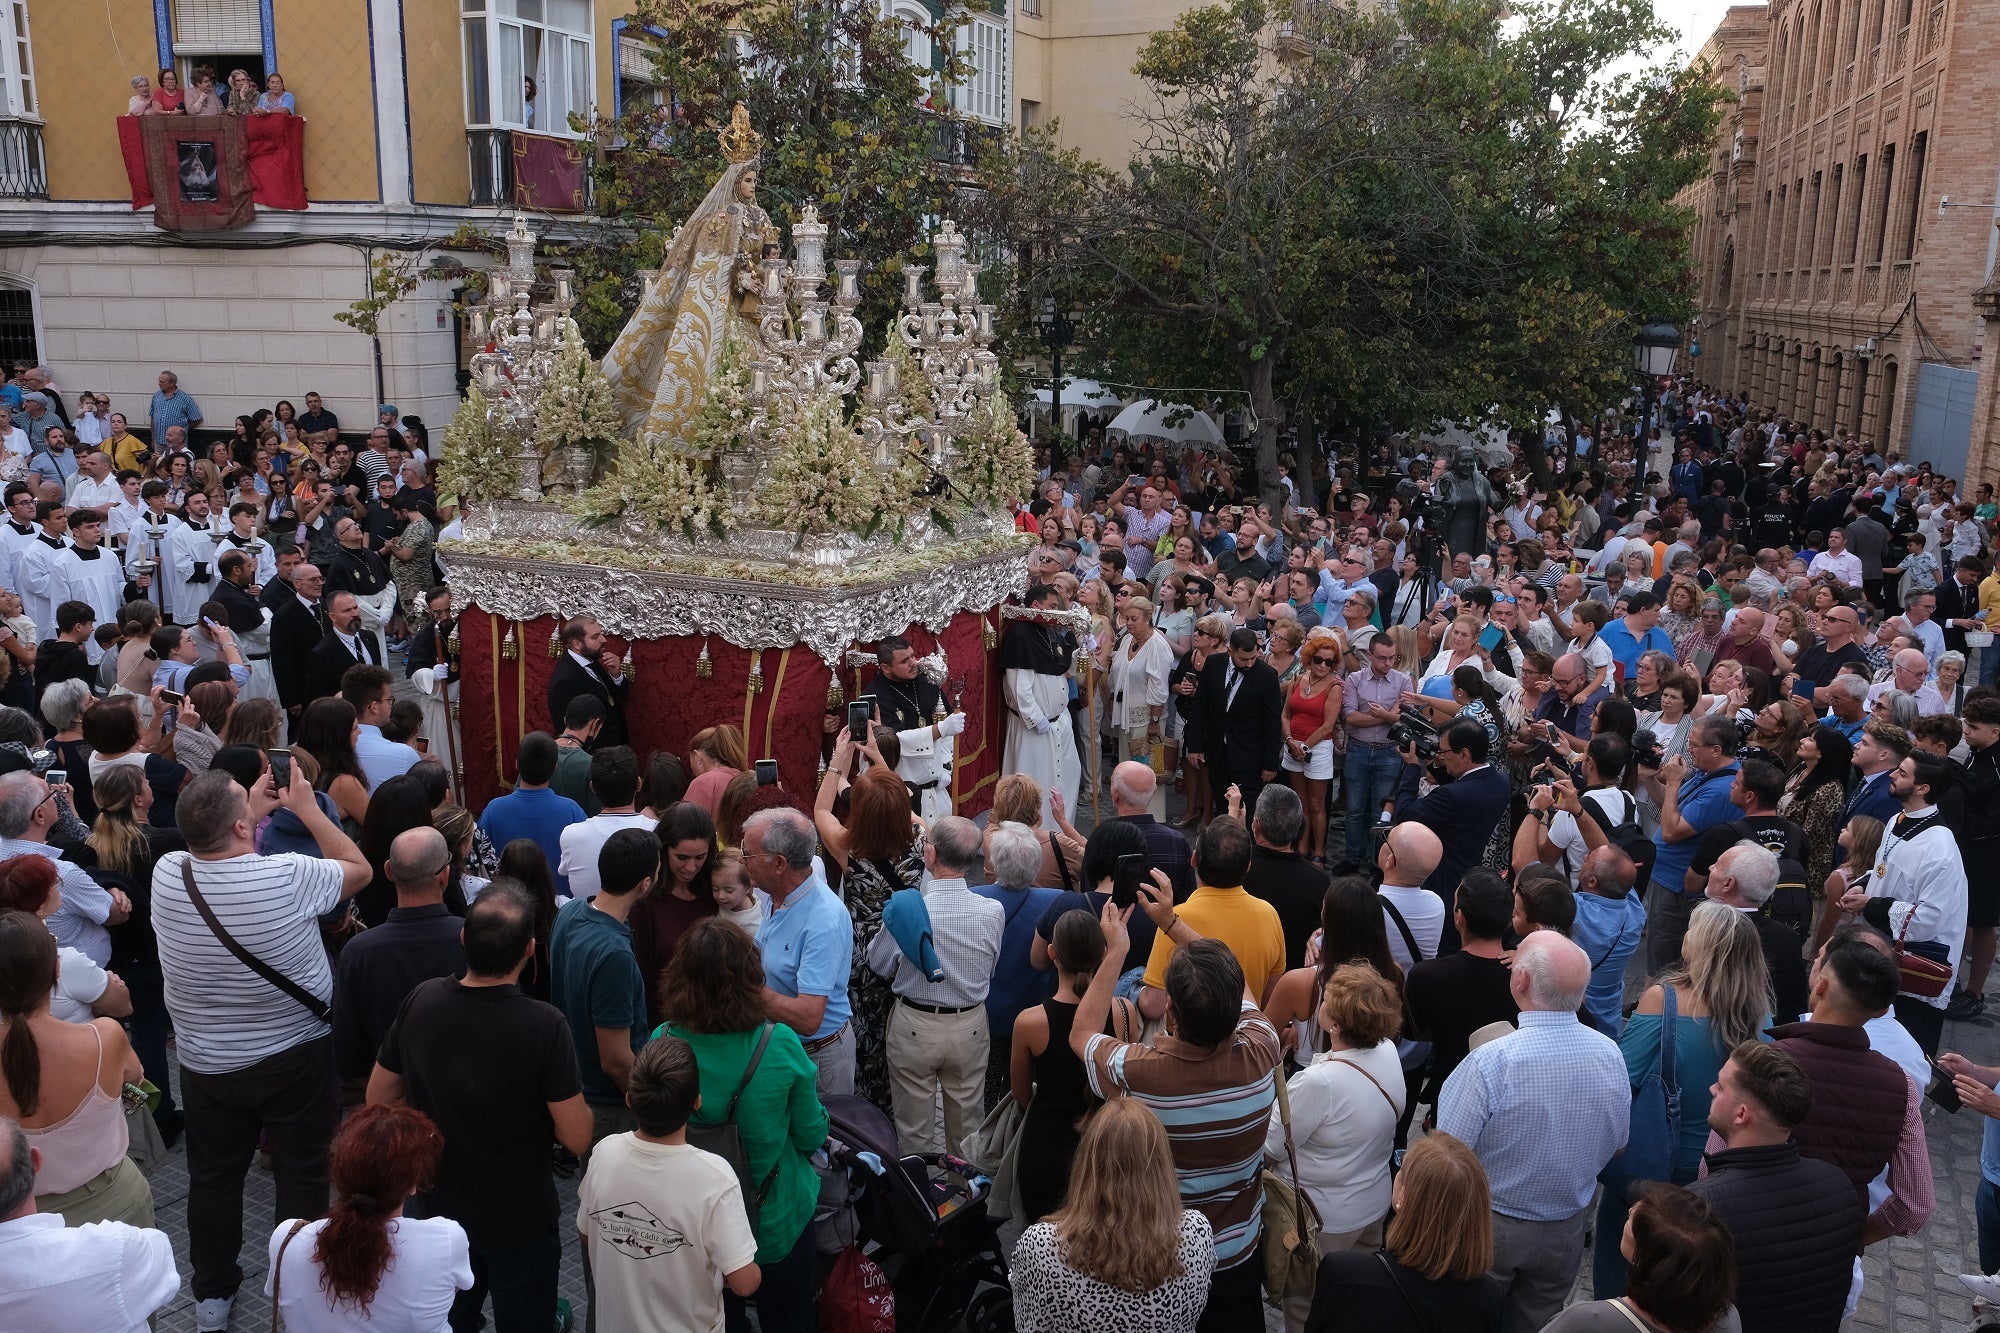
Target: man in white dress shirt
pixel 1919 885
pixel 93 486
pixel 1837 560
pixel 106 1276
pixel 614 777
pixel 938 1038
pixel 371 690
pixel 89 572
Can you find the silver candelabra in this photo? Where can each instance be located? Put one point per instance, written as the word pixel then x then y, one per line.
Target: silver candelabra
pixel 519 341
pixel 809 340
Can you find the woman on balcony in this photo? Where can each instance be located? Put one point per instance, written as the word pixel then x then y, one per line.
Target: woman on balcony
pixel 203 101
pixel 141 102
pixel 276 101
pixel 169 100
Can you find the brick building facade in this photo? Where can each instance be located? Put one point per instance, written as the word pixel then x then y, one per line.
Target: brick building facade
pixel 1834 288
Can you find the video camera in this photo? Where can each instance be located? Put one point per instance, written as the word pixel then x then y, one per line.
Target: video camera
pixel 1423 504
pixel 1414 729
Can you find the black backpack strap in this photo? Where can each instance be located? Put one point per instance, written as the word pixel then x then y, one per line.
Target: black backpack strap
pixel 315 1006
pixel 749 1072
pixel 1409 938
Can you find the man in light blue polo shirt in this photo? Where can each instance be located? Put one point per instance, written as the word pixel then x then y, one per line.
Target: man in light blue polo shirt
pixel 807 942
pixel 1636 633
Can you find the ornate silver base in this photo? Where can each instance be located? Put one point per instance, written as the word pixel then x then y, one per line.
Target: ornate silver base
pixel 760 588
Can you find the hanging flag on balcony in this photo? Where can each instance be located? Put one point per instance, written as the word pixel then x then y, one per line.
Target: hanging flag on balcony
pixel 208 173
pixel 548 172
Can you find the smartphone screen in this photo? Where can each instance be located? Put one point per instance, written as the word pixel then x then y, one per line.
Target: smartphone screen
pixel 281 768
pixel 767 772
pixel 858 717
pixel 1125 879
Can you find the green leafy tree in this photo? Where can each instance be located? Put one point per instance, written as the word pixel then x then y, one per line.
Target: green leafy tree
pixel 848 122
pixel 1404 219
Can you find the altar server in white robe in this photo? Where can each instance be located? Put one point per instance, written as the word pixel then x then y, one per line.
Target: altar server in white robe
pixel 242 535
pixel 17 533
pixel 1918 891
pixel 1035 662
pixel 34 566
pixel 89 572
pixel 191 553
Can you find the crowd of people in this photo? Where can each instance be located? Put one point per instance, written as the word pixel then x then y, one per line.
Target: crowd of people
pixel 238 98
pixel 1598 861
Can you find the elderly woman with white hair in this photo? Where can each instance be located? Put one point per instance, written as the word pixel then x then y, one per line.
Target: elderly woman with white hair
pixel 141 102
pixel 1950 682
pixel 1014 857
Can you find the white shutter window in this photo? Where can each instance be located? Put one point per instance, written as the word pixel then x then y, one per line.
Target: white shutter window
pixel 635 61
pixel 203 27
pixel 985 96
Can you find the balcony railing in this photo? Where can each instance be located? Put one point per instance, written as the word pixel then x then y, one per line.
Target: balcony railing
pixel 24 172
pixel 958 143
pixel 492 167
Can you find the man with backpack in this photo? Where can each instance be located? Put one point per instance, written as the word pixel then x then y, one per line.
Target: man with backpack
pixel 1556 836
pixel 1744 878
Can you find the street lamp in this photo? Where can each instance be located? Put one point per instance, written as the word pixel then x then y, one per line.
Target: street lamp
pixel 1653 353
pixel 1058 331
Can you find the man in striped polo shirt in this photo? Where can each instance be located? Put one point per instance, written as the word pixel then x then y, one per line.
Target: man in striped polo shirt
pixel 1209 1078
pixel 255 1055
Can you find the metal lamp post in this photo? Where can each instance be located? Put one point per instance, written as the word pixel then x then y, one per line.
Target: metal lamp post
pixel 1653 353
pixel 1058 331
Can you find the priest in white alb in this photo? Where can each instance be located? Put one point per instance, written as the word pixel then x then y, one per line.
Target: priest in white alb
pixel 1035 659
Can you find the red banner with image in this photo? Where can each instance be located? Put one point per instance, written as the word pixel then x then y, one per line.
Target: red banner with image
pixel 211 173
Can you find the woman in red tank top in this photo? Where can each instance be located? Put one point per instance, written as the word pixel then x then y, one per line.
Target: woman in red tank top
pixel 1312 716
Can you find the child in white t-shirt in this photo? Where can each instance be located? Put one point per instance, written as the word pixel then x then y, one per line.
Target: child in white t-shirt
pixel 1586 620
pixel 736 899
pixel 663 1222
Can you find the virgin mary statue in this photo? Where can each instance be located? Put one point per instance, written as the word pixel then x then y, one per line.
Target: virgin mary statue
pixel 662 363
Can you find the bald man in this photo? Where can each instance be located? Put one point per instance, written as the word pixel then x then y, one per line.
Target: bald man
pixel 380 967
pixel 1746 642
pixel 1412 914
pixel 1133 788
pixel 1544 1109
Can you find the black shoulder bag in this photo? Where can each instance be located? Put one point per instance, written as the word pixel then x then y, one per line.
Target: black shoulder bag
pixel 725 1140
pixel 315 1006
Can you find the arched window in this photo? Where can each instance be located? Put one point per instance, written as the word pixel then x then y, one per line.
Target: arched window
pixel 916 34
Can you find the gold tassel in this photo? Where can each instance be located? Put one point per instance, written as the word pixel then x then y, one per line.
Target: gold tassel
pixel 836 698
pixel 989 634
pixel 555 641
pixel 756 672
pixel 454 710
pixel 704 667
pixel 510 647
pixel 629 670
pixel 451 644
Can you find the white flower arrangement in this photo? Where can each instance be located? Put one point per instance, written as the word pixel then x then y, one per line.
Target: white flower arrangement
pixel 576 409
pixel 477 461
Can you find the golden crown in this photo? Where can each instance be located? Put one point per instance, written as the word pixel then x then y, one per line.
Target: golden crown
pixel 740 143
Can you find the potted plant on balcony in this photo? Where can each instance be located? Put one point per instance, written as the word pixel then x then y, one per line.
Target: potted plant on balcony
pixel 577 419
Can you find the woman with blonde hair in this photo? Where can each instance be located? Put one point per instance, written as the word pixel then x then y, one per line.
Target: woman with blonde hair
pixel 1312 720
pixel 1409 650
pixel 1460 646
pixel 1287 637
pixel 1017 799
pixel 1344 1109
pixel 1431 1272
pixel 1121 1255
pixel 1683 608
pixel 1721 993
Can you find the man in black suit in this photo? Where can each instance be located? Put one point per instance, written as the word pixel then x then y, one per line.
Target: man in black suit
pixel 279 590
pixel 1244 714
pixel 345 645
pixel 298 624
pixel 1463 809
pixel 1958 602
pixel 585 667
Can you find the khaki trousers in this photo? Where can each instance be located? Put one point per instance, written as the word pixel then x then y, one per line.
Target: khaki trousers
pixel 929 1053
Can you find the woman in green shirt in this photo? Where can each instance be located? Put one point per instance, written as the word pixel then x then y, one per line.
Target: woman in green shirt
pixel 712 993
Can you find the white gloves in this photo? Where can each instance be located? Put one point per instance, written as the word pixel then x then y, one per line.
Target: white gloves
pixel 953 725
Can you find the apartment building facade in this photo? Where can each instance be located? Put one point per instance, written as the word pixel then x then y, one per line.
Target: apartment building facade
pixel 1840 291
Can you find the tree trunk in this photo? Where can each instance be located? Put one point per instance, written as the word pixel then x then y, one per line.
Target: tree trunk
pixel 1259 374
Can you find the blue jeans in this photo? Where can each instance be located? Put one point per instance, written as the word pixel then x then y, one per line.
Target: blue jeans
pixel 787 1297
pixel 522 1280
pixel 1371 772
pixel 1989 664
pixel 1986 1208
